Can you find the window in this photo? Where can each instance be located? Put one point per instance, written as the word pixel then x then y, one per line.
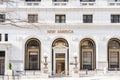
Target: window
pixel 87 0
pixel 32 18
pixel 115 18
pixel 87 18
pixel 32 0
pixel 87 54
pixel 87 58
pixel 0 37
pixel 2 53
pixel 33 61
pixel 113 54
pixel 114 0
pixel 32 54
pixel 114 60
pixel 60 18
pixel 2 17
pixel 60 0
pixel 6 37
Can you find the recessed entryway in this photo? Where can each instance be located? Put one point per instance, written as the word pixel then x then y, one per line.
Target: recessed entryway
pixel 87 54
pixel 60 57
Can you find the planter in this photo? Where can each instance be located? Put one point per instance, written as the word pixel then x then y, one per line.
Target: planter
pixel 9 72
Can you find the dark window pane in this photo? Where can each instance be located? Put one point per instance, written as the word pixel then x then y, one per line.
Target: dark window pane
pixel 87 0
pixel 6 37
pixel 32 18
pixel 60 0
pixel 87 18
pixel 33 61
pixel 114 60
pixel 87 60
pixel 33 43
pixel 0 37
pixel 33 0
pixel 114 44
pixel 60 55
pixel 115 18
pixel 2 53
pixel 2 17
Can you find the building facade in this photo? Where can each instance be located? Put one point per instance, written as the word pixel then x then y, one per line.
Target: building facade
pixel 60 37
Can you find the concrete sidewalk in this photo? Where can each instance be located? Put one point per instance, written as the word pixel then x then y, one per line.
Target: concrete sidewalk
pixel 80 78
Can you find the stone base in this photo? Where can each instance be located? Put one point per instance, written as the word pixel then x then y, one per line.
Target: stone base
pixel 75 74
pixel 45 75
pixel 9 72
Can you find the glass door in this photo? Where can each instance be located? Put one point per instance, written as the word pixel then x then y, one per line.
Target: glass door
pixel 60 63
pixel 87 60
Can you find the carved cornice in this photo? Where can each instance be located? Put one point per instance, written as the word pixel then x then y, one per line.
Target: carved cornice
pixel 58 9
pixel 64 26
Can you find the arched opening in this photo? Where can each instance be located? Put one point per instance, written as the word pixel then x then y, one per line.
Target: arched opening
pixel 113 54
pixel 60 57
pixel 32 54
pixel 87 54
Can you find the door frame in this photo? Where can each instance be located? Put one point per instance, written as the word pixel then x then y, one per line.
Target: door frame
pixel 66 63
pixel 63 48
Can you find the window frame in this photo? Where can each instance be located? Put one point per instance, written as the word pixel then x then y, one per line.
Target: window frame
pixel 87 18
pixel 2 17
pixel 6 36
pixel 32 18
pixel 0 37
pixel 32 0
pixel 115 18
pixel 60 0
pixel 60 19
pixel 87 0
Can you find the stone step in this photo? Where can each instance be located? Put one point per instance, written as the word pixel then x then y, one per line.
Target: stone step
pixel 34 76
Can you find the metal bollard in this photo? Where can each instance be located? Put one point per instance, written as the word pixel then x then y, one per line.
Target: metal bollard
pixel 86 71
pixel 34 72
pixel 13 76
pixel 116 70
pixel 2 77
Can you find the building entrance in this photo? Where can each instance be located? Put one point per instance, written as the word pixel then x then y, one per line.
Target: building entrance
pixel 2 62
pixel 60 57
